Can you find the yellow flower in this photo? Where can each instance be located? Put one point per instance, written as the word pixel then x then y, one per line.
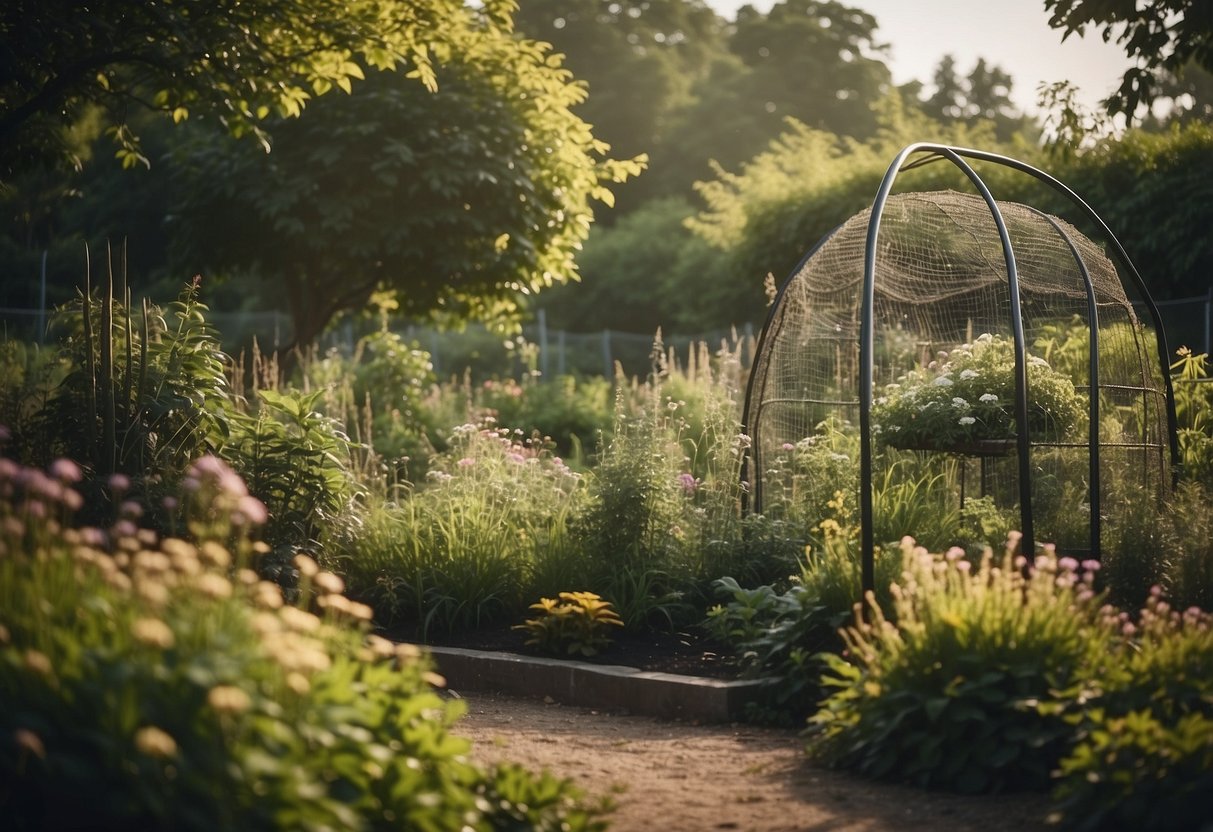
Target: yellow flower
pixel 228 699
pixel 38 662
pixel 306 566
pixel 328 582
pixel 213 586
pixel 298 683
pixel 29 741
pixel 154 742
pixel 153 632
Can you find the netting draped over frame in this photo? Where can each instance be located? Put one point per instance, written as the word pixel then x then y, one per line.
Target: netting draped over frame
pixel 942 359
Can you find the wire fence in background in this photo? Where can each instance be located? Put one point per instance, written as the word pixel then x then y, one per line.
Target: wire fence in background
pixel 551 352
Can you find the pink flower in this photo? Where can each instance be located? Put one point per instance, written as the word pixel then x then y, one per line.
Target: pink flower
pixel 465 462
pixel 212 468
pixel 65 470
pixel 119 483
pixel 688 483
pixel 252 509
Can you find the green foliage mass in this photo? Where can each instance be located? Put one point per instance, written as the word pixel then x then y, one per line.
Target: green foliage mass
pixel 574 624
pixel 234 62
pixel 945 696
pixel 140 678
pixel 460 200
pixel 1143 751
pixel 1153 190
pixel 1160 39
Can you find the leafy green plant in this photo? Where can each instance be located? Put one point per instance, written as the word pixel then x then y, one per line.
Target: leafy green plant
pixel 777 636
pixel 945 697
pixel 381 388
pixel 296 461
pixel 140 677
pixel 487 528
pixel 144 395
pixel 780 636
pixel 802 478
pixel 31 376
pixel 1143 751
pixel 1187 571
pixel 968 396
pixel 573 623
pixel 1194 413
pixel 831 567
pixel 630 529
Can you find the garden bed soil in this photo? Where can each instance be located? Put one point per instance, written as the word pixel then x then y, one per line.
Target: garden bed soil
pixel 681 777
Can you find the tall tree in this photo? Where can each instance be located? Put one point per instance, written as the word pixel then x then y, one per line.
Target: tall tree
pixel 982 95
pixel 1161 36
pixel 463 200
pixel 815 61
pixel 236 61
pixel 639 60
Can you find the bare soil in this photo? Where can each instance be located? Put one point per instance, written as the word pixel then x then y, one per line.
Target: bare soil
pixel 683 777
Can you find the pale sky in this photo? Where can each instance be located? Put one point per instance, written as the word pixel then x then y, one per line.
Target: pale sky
pixel 1012 34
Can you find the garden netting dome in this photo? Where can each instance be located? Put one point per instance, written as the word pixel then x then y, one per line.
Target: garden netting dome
pixel 977 357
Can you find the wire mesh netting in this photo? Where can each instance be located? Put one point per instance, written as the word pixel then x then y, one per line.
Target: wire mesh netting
pixel 943 410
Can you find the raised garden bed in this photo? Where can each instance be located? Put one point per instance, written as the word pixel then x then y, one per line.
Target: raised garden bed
pixel 668 675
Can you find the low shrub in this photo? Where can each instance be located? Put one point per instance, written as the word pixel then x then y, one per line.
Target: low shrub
pixel 1187 576
pixel 296 461
pixel 945 697
pixel 142 393
pixel 487 530
pixel 968 396
pixel 141 678
pixel 573 412
pixel 780 636
pixel 1143 752
pixel 630 530
pixel 575 623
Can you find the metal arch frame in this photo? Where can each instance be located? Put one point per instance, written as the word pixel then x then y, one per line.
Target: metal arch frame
pixel 866 337
pixel 1094 493
pixel 759 352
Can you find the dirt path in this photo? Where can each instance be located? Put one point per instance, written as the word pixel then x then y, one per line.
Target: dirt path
pixel 680 777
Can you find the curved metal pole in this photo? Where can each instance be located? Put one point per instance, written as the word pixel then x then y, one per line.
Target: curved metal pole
pixel 1093 476
pixel 1164 352
pixel 866 349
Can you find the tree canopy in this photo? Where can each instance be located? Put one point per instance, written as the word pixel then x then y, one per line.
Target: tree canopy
pixel 1162 36
pixel 237 61
pixel 463 200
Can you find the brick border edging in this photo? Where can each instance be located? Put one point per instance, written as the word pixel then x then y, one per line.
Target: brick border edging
pixel 610 687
